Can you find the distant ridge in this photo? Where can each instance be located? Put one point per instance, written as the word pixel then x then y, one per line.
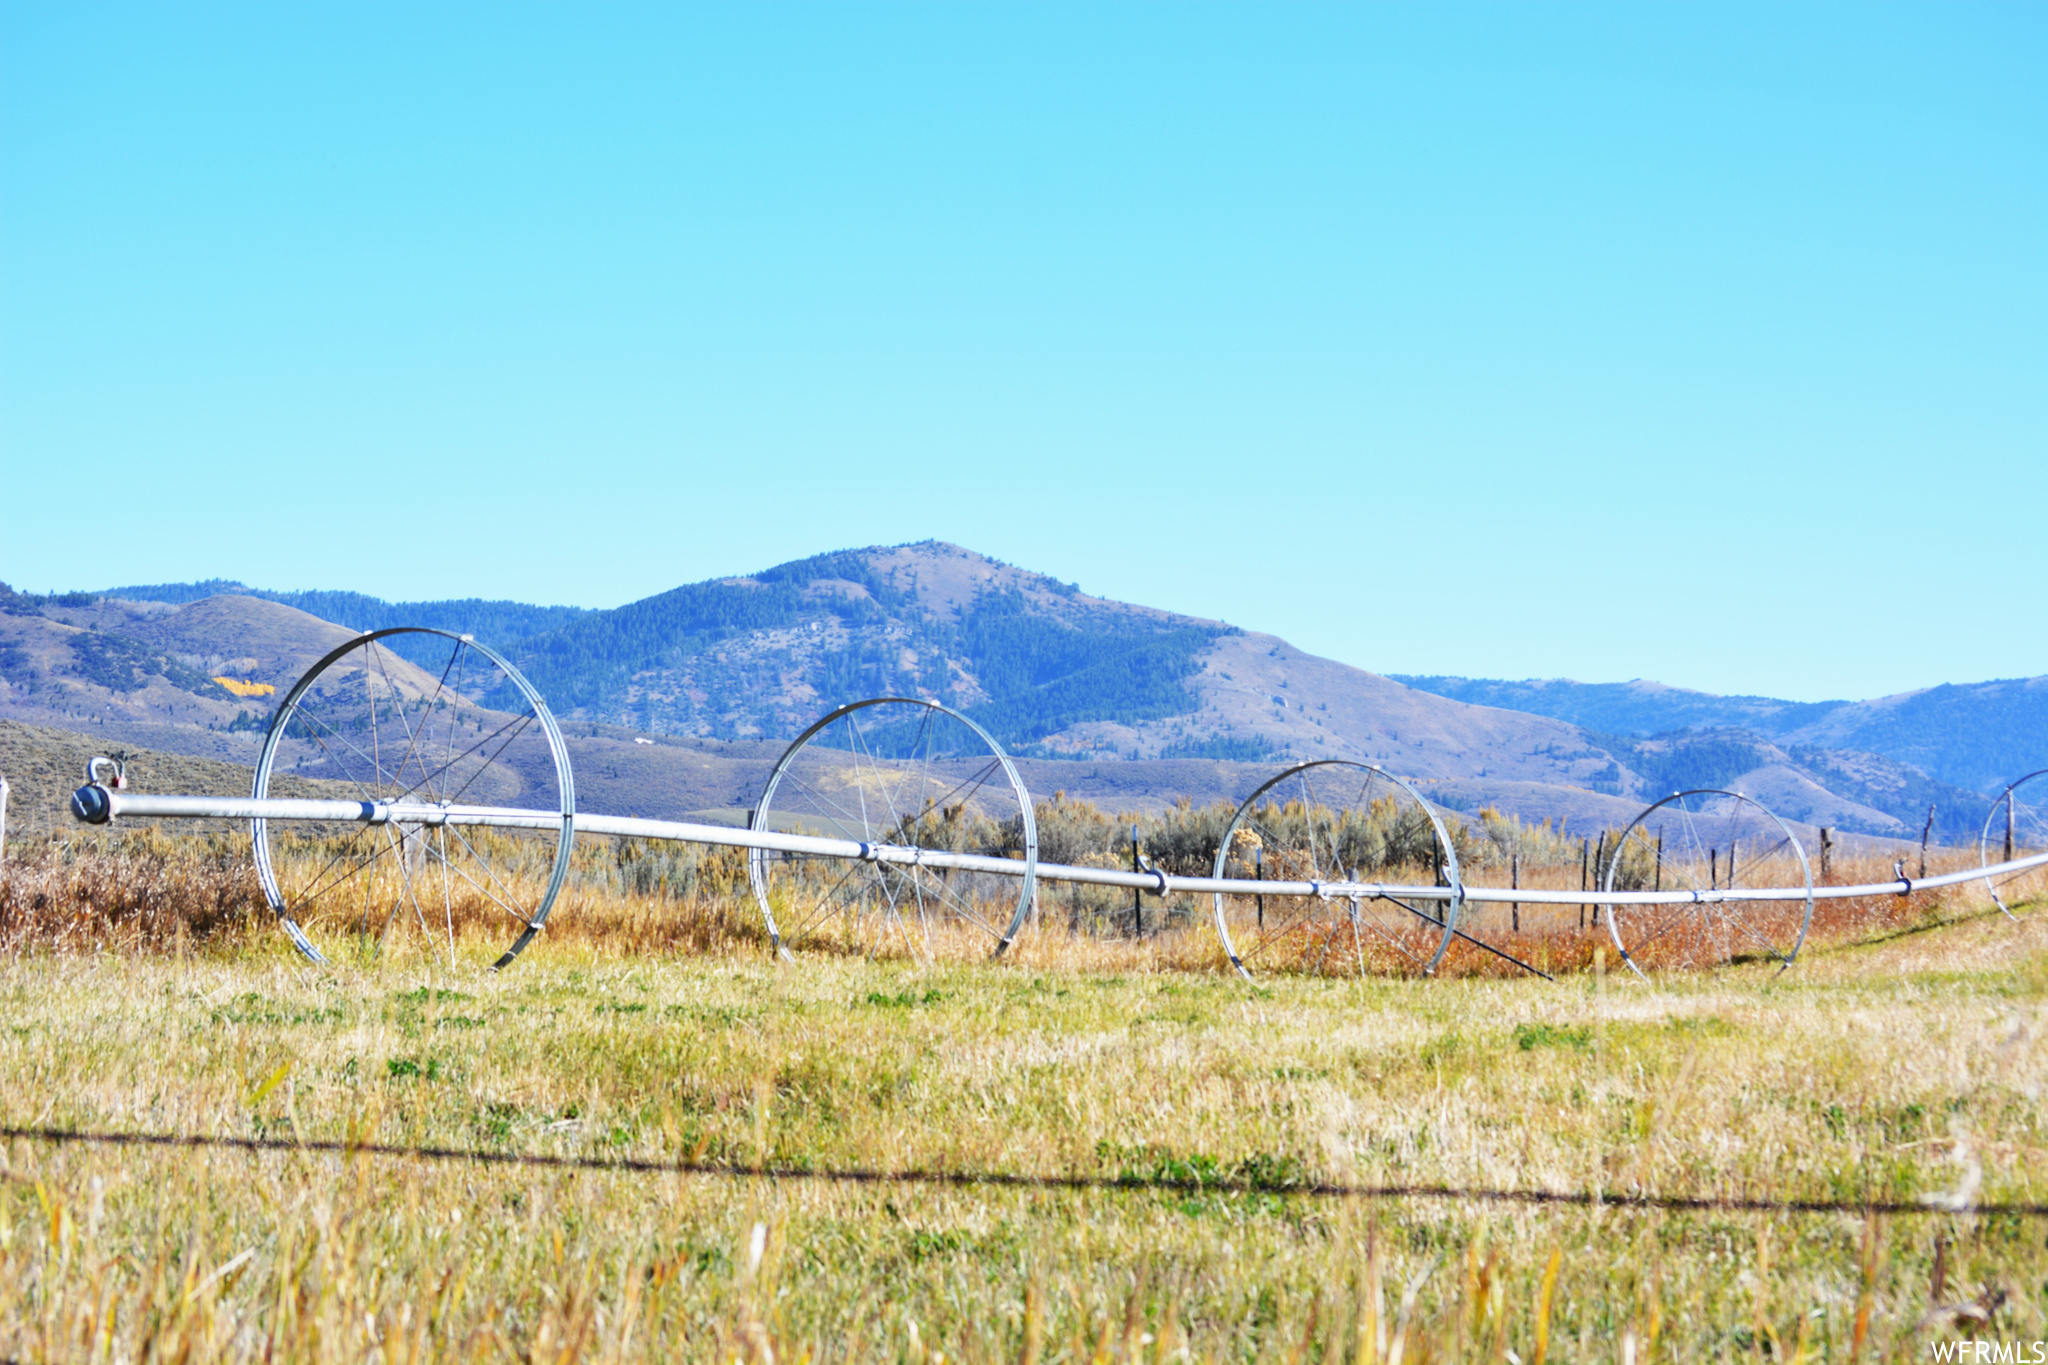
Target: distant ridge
pixel 1096 694
pixel 762 655
pixel 488 620
pixel 1974 737
pixel 1639 708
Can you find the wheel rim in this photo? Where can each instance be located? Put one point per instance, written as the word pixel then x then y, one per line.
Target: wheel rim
pixel 1704 841
pixel 455 723
pixel 906 772
pixel 1335 820
pixel 2011 822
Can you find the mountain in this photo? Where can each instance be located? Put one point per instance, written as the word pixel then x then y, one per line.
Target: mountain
pixel 1053 671
pixel 763 655
pixel 1631 708
pixel 1974 737
pixel 1978 736
pixel 487 620
pixel 1124 704
pixel 148 673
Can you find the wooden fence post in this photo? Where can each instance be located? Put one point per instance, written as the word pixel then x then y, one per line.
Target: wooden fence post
pixel 1515 882
pixel 1584 846
pixel 1137 905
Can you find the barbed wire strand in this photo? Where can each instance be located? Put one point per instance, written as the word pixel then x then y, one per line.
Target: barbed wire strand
pixel 1014 1180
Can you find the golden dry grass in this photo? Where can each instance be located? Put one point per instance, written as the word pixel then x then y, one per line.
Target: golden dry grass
pixel 145 991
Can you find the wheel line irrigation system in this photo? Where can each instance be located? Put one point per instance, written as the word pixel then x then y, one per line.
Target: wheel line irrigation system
pixel 415 742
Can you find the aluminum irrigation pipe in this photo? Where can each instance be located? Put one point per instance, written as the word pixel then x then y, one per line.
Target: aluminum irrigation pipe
pixel 97 805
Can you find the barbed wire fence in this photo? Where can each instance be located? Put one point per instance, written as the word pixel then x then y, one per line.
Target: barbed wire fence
pixel 1933 1204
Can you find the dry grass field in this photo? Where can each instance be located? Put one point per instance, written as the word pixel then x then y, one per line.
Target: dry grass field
pixel 1903 1059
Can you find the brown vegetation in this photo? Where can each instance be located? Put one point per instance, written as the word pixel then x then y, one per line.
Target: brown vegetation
pixel 1896 1071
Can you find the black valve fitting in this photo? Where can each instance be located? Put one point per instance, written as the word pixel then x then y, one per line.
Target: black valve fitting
pixel 92 805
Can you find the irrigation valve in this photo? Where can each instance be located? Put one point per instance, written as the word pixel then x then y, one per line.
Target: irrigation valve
pixel 90 802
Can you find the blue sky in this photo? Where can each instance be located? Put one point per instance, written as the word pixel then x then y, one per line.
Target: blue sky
pixel 1700 343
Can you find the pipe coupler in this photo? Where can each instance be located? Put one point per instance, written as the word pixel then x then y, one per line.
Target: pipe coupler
pixel 92 805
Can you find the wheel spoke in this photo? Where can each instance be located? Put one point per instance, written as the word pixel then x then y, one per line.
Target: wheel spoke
pixel 354 866
pixel 847 817
pixel 1710 930
pixel 1305 913
pixel 338 717
pixel 370 792
pixel 450 865
pixel 490 872
pixel 447 893
pixel 947 897
pixel 412 737
pixel 828 901
pixel 350 839
pixel 910 788
pixel 518 726
pixel 971 785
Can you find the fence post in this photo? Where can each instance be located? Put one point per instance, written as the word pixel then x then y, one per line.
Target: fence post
pixel 1515 883
pixel 2008 816
pixel 1660 861
pixel 1926 830
pixel 1137 904
pixel 1583 843
pixel 1827 847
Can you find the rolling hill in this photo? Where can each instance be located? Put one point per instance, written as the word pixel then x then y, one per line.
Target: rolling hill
pixel 1124 704
pixel 1973 737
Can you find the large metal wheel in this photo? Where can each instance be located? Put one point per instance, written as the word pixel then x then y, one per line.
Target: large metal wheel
pixel 366 724
pixel 2014 827
pixel 1707 841
pixel 906 772
pixel 1332 820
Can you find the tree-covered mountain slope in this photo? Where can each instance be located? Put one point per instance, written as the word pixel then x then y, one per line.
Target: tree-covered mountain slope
pixel 487 620
pixel 1052 671
pixel 1972 737
pixel 765 654
pixel 722 672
